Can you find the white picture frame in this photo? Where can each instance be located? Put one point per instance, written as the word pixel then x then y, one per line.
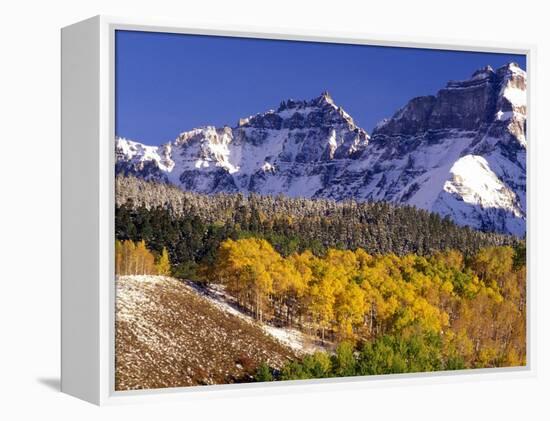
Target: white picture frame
pixel 88 295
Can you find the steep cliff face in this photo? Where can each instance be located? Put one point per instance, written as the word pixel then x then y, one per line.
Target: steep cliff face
pixel 461 153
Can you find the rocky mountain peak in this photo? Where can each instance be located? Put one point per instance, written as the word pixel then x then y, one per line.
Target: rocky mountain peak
pixel 511 68
pixel 319 112
pixel 481 77
pixel 484 72
pixel 322 101
pixel 463 104
pixel 511 76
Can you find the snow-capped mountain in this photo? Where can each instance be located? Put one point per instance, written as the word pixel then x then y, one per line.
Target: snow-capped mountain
pixel 290 150
pixel 460 153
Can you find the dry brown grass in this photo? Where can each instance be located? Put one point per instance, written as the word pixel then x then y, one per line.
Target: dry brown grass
pixel 168 335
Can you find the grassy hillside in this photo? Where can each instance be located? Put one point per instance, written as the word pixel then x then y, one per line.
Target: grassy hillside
pixel 169 335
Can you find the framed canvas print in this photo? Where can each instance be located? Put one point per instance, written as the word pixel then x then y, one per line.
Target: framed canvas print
pixel 246 211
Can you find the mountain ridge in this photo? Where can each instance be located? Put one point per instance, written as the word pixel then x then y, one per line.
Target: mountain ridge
pixel 460 153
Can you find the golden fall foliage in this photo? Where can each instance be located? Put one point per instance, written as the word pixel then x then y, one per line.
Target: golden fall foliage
pixel 475 305
pixel 136 259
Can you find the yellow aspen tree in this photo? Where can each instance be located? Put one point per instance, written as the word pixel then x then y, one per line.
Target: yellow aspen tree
pixel 349 309
pixel 141 258
pixel 163 265
pixel 118 257
pixel 129 257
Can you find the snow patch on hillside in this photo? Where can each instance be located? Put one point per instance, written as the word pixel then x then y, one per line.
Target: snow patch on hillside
pixel 475 182
pixel 518 97
pixel 292 338
pixel 438 160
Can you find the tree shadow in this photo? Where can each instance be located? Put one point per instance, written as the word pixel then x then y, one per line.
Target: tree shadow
pixel 53 383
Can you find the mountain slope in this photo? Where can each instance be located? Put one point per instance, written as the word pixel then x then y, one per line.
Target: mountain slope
pixel 289 150
pixel 169 335
pixel 460 153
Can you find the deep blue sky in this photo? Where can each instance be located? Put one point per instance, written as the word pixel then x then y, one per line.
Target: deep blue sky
pixel 170 83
